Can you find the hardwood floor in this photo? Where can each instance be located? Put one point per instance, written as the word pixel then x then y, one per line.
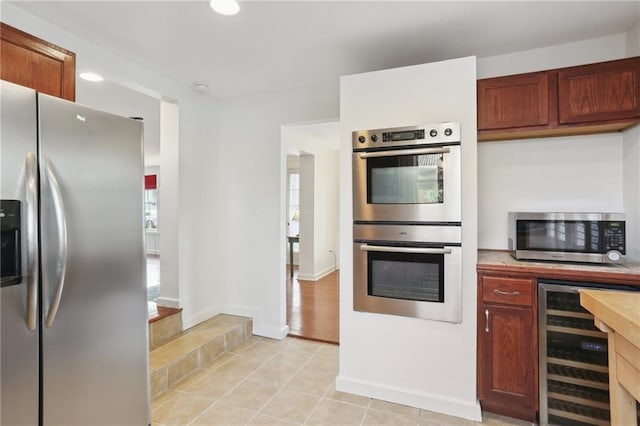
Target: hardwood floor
pixel 313 308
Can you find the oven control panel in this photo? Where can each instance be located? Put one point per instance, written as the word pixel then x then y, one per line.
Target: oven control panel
pixel 427 134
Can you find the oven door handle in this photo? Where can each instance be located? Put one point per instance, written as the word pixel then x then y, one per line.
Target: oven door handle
pixel 418 250
pixel 396 152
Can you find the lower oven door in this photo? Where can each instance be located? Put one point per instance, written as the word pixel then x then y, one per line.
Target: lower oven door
pixel 414 281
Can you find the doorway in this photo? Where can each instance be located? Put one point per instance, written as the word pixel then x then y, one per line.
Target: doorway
pixel 312 231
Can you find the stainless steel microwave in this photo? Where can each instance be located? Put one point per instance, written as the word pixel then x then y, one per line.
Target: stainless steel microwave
pixel 568 237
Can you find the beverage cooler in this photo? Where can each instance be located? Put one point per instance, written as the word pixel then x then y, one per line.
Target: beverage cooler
pixel 574 378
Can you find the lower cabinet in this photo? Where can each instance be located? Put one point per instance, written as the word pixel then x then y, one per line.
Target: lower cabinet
pixel 507 346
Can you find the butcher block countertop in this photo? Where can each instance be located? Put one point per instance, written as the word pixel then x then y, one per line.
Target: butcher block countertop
pixel 620 310
pixel 618 314
pixel 500 261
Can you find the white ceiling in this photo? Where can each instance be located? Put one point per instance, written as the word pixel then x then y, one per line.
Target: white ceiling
pixel 276 45
pixel 273 45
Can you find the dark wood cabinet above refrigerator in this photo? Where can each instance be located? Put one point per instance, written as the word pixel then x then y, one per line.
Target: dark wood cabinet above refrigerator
pixel 35 63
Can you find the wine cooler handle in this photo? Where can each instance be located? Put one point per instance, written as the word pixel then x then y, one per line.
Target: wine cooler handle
pixel 486 320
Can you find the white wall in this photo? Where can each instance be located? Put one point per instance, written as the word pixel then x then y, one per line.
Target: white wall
pixel 327 224
pixel 631 166
pixel 199 250
pixel 421 363
pixel 322 141
pixel 558 56
pixel 169 204
pixel 252 176
pixel 552 174
pixel 196 257
pixel 576 173
pixel 632 40
pixel 307 214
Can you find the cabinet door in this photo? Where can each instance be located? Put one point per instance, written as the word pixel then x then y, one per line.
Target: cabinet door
pixel 513 101
pixel 507 352
pixel 599 92
pixel 35 63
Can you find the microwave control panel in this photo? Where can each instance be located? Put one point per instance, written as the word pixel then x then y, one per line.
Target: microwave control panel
pixel 614 239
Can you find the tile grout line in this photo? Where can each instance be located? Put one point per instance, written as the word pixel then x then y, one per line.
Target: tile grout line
pixel 247 378
pixel 235 386
pixel 284 385
pixel 185 392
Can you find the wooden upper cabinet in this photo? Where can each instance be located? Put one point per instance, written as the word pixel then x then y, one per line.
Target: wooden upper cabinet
pixel 599 92
pixel 36 63
pixel 594 98
pixel 513 101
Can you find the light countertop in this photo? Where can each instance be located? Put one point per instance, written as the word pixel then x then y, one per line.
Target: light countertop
pixel 502 261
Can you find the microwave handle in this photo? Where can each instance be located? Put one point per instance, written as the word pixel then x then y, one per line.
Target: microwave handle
pixel 396 152
pixel 418 250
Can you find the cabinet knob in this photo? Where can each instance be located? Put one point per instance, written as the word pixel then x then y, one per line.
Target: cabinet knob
pixel 486 320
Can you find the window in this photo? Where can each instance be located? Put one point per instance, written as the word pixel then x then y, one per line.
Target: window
pixel 150 203
pixel 293 215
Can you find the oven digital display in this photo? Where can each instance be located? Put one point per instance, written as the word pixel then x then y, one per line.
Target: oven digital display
pixel 402 136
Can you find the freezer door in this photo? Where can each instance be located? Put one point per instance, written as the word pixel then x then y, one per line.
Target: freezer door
pixel 95 345
pixel 18 239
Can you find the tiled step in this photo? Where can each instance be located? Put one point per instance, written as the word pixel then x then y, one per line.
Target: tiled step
pixel 192 348
pixel 164 326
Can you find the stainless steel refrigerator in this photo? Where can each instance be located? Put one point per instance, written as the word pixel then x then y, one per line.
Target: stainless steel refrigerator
pixel 73 310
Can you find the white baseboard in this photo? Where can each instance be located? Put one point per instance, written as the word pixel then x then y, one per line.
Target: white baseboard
pixel 168 302
pixel 271 332
pixel 316 276
pixel 426 401
pixel 259 329
pixel 197 318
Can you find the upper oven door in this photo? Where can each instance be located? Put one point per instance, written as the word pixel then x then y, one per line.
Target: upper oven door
pixel 407 185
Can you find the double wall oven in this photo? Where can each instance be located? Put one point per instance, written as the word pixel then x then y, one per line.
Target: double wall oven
pixel 407 221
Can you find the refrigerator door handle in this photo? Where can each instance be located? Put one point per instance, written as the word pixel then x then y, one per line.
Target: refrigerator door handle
pixel 61 222
pixel 31 167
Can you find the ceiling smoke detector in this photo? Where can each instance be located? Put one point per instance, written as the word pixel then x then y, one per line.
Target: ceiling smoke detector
pixel 200 87
pixel 225 7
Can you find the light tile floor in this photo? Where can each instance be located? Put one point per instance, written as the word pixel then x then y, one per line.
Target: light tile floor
pixel 270 382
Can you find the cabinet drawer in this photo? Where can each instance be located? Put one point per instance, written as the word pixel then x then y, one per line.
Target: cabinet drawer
pixel 512 291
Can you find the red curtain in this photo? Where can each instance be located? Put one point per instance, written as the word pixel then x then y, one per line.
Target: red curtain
pixel 151 182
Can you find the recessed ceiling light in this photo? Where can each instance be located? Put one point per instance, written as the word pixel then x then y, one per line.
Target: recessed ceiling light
pixel 225 7
pixel 91 76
